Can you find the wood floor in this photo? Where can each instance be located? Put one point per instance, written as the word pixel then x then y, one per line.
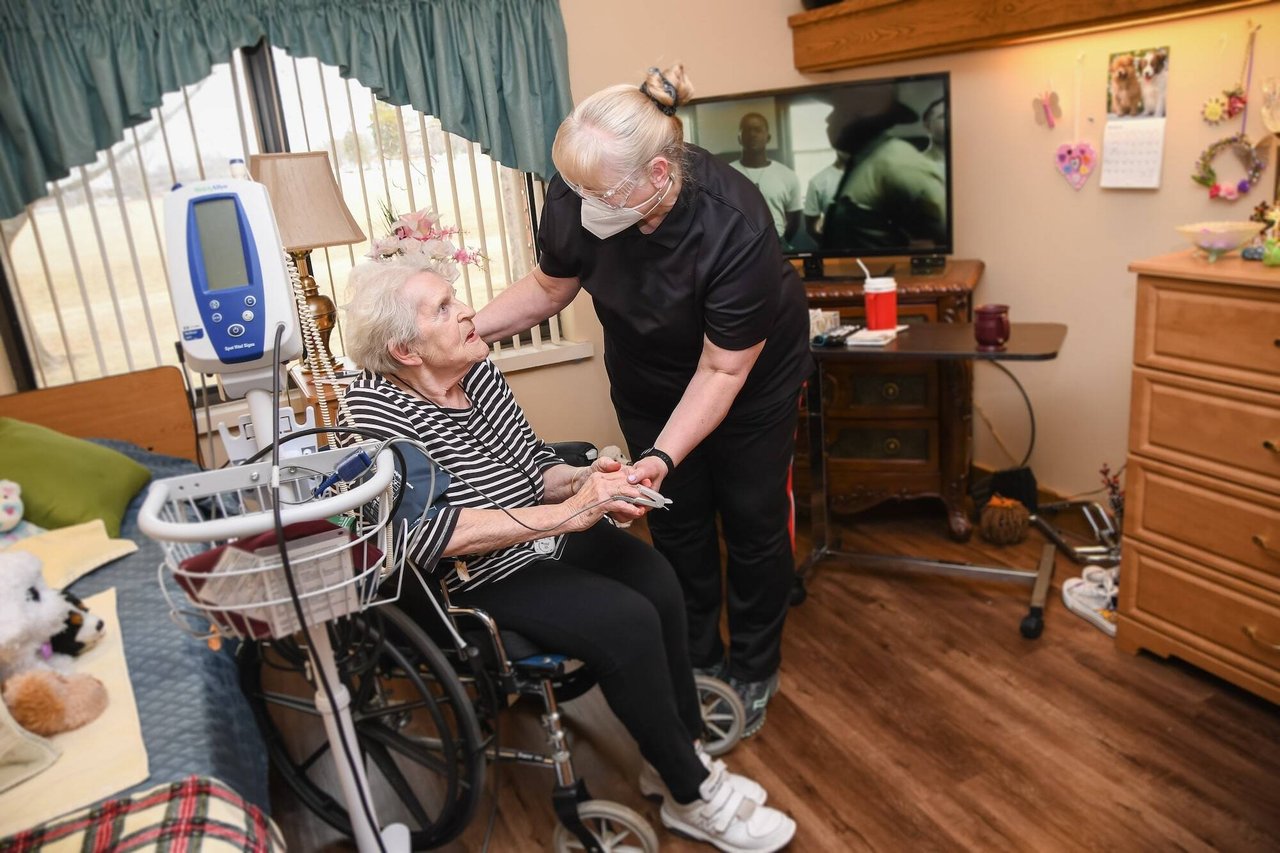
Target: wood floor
pixel 914 716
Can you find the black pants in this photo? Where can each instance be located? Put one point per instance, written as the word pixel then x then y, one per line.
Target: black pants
pixel 612 602
pixel 739 472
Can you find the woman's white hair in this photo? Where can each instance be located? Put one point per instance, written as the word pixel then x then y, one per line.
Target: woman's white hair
pixel 617 130
pixel 380 313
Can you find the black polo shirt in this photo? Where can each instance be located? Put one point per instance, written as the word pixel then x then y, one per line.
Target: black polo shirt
pixel 713 267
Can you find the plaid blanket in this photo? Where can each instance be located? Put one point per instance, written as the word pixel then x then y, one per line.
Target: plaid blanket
pixel 196 814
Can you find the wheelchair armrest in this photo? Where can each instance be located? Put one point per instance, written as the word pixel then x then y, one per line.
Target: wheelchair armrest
pixel 580 453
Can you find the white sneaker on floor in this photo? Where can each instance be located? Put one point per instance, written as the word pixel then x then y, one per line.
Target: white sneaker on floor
pixel 651 784
pixel 728 820
pixel 1092 602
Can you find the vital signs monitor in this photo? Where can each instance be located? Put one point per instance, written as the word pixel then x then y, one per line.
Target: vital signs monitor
pixel 228 279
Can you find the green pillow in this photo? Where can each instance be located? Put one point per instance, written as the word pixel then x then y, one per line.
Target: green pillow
pixel 67 480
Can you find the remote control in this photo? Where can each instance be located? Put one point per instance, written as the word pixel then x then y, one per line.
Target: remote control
pixel 834 337
pixel 647 497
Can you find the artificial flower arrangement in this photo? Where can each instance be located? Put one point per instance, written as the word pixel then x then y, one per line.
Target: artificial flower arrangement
pixel 420 233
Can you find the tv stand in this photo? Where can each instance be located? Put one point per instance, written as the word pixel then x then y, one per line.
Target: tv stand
pixel 813 269
pixel 897 429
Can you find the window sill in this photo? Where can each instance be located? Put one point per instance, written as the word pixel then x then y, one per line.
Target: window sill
pixel 511 360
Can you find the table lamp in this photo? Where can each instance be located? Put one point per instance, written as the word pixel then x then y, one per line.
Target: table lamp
pixel 311 214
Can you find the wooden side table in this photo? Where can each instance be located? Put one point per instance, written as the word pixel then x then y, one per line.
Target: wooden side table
pixel 305 382
pixel 898 428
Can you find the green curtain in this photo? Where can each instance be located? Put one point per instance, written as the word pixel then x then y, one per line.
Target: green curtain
pixel 75 74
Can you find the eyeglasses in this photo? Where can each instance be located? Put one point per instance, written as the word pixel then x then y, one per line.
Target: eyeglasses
pixel 613 198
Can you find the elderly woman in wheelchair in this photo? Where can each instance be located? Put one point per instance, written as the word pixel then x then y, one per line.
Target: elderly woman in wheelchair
pixel 510 530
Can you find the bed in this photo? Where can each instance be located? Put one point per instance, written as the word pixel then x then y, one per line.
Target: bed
pixel 194 718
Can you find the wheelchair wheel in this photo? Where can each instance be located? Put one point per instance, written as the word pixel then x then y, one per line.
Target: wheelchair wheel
pixel 414 723
pixel 615 827
pixel 723 716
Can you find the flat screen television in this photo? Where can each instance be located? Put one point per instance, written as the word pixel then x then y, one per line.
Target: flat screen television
pixel 853 169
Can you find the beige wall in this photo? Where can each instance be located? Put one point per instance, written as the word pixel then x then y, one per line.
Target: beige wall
pixel 1051 253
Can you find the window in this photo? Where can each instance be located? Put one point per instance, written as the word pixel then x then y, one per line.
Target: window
pixel 86 264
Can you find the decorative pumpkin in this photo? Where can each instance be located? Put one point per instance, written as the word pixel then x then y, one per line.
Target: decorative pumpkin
pixel 1004 521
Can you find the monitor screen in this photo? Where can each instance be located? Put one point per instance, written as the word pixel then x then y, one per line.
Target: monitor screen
pixel 221 248
pixel 848 169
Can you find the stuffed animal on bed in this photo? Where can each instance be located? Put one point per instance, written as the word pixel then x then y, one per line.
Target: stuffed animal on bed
pixel 10 505
pixel 40 697
pixel 80 628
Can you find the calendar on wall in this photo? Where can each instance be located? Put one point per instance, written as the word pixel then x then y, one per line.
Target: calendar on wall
pixel 1133 139
pixel 1132 153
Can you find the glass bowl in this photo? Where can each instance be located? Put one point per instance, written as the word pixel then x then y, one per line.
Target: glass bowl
pixel 1215 239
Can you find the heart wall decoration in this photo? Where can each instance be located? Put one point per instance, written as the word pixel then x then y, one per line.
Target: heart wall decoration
pixel 1076 162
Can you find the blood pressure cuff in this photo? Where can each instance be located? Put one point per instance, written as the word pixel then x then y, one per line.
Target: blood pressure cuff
pixel 418 490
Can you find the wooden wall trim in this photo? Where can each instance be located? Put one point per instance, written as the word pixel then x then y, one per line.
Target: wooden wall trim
pixel 867 32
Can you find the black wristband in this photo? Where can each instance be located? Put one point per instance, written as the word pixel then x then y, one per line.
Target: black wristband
pixel 653 451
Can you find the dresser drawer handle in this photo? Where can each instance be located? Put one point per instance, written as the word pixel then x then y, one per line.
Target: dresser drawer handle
pixel 1252 633
pixel 1271 445
pixel 890 391
pixel 892 446
pixel 1262 543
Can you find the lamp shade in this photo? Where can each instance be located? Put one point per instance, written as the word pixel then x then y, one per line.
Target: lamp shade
pixel 307 202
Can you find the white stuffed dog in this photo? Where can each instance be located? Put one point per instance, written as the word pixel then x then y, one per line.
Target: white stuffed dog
pixel 30 613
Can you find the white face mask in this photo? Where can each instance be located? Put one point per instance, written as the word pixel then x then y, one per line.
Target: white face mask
pixel 604 221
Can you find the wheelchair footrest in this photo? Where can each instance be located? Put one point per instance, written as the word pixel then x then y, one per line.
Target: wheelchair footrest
pixel 541 666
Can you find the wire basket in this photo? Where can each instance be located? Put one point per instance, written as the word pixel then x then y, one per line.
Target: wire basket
pixel 219 535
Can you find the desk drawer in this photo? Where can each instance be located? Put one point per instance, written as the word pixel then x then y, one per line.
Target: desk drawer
pixel 1234 529
pixel 1221 430
pixel 880 390
pixel 1215 331
pixel 883 444
pixel 1237 622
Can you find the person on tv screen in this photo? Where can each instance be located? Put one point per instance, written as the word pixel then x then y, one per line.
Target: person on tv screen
pixel 776 182
pixel 821 192
pixel 934 119
pixel 893 195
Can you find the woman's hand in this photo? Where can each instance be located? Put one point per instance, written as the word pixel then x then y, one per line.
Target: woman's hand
pixel 648 471
pixel 596 496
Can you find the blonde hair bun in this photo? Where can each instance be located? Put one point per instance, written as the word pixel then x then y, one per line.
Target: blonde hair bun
pixel 668 88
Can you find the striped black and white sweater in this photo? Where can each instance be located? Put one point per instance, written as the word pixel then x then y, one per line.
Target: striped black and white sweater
pixel 490 453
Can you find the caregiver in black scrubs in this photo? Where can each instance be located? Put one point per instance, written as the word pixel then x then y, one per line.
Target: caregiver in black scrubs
pixel 706 347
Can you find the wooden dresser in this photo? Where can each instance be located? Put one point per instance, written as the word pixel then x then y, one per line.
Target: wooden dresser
pixel 898 429
pixel 1200 577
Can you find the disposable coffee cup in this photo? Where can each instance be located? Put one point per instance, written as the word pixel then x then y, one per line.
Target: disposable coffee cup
pixel 881 295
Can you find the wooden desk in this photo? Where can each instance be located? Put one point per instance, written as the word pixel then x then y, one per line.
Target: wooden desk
pixel 948 342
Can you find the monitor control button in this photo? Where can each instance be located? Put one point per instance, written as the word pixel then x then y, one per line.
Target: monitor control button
pixel 247 316
pixel 250 301
pixel 235 330
pixel 216 317
pixel 215 304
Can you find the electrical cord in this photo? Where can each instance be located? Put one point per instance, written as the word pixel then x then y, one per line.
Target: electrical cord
pixel 347 751
pixel 1031 415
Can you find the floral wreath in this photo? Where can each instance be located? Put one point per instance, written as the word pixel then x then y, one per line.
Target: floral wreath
pixel 1253 164
pixel 420 233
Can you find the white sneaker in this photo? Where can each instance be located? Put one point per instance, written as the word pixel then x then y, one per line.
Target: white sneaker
pixel 651 784
pixel 726 819
pixel 1092 602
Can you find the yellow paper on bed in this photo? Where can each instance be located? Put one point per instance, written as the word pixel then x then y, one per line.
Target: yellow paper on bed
pixel 70 553
pixel 98 759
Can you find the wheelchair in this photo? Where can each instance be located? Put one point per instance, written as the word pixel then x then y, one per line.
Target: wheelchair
pixel 426 711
